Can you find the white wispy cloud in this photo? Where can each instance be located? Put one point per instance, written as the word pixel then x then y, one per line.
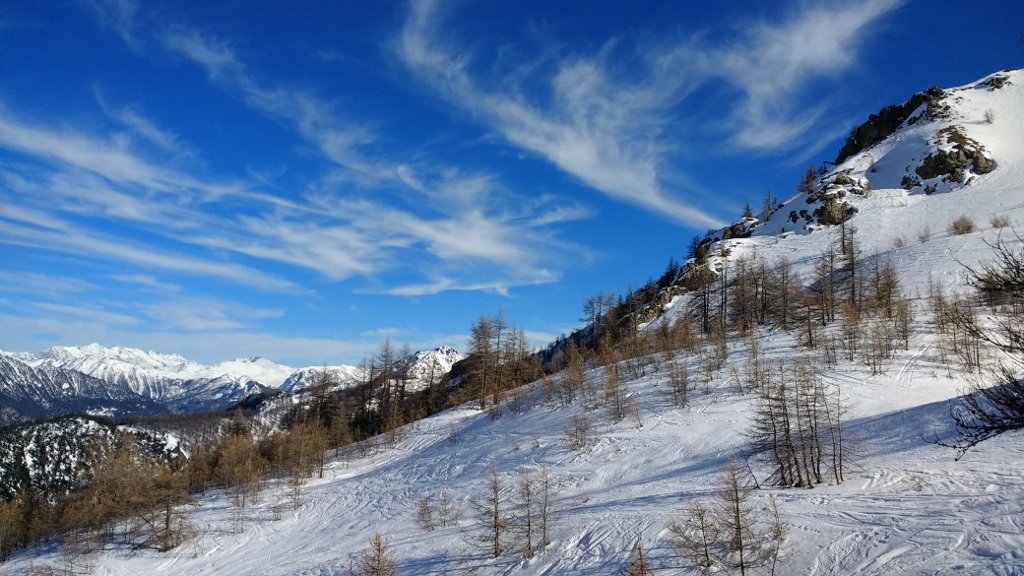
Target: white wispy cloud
pixel 462 230
pixel 312 117
pixel 118 16
pixel 42 284
pixel 86 195
pixel 146 281
pixel 204 314
pixel 53 234
pixel 475 242
pixel 605 126
pixel 600 129
pixel 335 250
pixel 460 219
pixel 442 284
pixel 107 157
pixel 331 234
pixel 88 313
pixel 772 63
pixel 132 118
pixel 93 177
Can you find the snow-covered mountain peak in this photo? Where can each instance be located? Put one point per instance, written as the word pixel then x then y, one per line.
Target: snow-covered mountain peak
pixel 429 366
pixel 155 380
pixel 95 359
pixel 110 361
pixel 444 356
pixel 257 368
pixel 341 376
pixel 134 378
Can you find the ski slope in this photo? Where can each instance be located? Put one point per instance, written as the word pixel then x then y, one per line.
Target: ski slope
pixel 906 507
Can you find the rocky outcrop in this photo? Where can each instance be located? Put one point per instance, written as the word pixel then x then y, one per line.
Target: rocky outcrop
pixel 953 164
pixel 888 120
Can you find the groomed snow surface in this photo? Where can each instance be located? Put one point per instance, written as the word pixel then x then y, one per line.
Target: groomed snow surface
pixel 907 507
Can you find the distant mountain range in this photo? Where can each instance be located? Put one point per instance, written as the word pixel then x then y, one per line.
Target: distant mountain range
pixel 118 381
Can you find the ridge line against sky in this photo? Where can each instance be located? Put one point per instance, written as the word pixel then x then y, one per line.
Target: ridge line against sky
pixel 297 182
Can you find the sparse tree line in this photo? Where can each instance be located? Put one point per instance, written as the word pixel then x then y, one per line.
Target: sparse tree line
pixel 853 308
pixel 740 295
pixel 506 516
pixel 136 498
pixel 863 294
pixel 797 427
pixel 133 496
pixel 500 360
pixel 992 319
pixel 733 532
pixel 730 533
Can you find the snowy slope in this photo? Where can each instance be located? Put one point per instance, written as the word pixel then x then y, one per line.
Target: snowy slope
pixel 907 507
pixel 911 226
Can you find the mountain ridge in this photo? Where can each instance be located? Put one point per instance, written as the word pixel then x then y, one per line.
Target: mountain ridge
pixel 119 380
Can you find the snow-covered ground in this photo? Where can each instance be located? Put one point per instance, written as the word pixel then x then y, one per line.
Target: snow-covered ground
pixel 906 507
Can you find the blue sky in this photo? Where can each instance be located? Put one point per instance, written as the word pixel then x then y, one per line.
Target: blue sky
pixel 298 180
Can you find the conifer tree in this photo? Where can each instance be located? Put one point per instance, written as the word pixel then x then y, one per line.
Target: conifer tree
pixel 807 182
pixel 638 565
pixel 377 560
pixel 425 514
pixel 525 508
pixel 730 533
pixel 492 520
pixel 481 350
pixel 613 394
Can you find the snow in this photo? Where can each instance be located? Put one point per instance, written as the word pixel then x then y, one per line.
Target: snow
pixel 343 375
pixel 147 368
pixel 907 506
pixel 109 362
pixel 422 365
pixel 167 382
pixel 259 369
